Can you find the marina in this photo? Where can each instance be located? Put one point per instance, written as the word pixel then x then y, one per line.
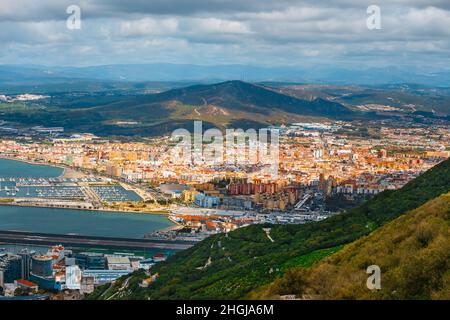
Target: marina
pixel 63 189
pixel 50 187
pixel 33 181
pixel 115 193
pixel 43 192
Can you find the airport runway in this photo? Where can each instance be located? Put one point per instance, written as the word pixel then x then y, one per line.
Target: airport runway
pixel 18 237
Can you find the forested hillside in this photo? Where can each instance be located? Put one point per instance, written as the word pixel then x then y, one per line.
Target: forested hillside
pixel 246 259
pixel 413 253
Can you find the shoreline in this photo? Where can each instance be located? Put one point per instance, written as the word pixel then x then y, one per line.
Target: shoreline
pixel 65 171
pixel 166 214
pixel 28 202
pixel 34 163
pixel 108 210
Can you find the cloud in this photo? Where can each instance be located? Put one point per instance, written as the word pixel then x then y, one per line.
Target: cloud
pixel 224 31
pixel 148 26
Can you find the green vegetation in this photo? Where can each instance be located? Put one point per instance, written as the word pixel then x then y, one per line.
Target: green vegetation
pixel 361 132
pixel 246 259
pixel 413 253
pixel 307 260
pixel 342 202
pixel 219 105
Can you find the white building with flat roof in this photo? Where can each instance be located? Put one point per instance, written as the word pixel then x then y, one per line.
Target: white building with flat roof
pixel 115 262
pixel 73 277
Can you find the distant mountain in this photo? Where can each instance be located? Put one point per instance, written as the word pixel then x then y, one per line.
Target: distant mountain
pixel 224 104
pixel 245 259
pixel 239 96
pixel 18 74
pixel 227 104
pixel 404 98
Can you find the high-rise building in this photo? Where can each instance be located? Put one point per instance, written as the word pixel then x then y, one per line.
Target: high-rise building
pixel 26 255
pixel 42 271
pixel 73 277
pixel 10 268
pixel 41 266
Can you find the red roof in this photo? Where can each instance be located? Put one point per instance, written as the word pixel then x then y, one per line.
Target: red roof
pixel 159 255
pixel 26 283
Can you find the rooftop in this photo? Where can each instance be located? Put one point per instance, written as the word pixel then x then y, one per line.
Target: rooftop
pixel 26 283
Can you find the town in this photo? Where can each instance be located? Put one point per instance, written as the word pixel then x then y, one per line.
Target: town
pixel 61 274
pixel 322 169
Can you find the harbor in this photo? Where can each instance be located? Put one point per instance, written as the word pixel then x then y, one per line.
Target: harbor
pixel 59 188
pixel 54 204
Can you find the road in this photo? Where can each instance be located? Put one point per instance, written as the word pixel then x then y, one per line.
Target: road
pixel 87 241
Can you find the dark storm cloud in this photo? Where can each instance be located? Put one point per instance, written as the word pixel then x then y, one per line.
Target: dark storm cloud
pixel 225 31
pixel 188 7
pixel 31 10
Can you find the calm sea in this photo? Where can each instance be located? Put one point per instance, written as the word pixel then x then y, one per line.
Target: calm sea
pixel 63 221
pixel 18 169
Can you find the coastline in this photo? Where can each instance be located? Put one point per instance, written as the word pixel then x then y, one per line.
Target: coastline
pixel 13 201
pixel 70 221
pixel 81 206
pixel 37 205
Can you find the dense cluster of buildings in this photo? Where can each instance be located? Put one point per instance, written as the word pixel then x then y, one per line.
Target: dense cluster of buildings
pixel 28 272
pixel 306 151
pixel 315 161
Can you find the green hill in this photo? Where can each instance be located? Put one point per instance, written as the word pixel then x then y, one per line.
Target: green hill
pixel 231 103
pixel 246 259
pixel 413 253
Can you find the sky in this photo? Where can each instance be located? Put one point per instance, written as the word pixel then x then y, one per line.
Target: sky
pixel 412 33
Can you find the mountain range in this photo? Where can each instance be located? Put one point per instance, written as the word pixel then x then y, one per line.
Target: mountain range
pixel 37 74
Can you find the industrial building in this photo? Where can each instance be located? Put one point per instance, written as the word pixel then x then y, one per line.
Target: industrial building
pixel 116 262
